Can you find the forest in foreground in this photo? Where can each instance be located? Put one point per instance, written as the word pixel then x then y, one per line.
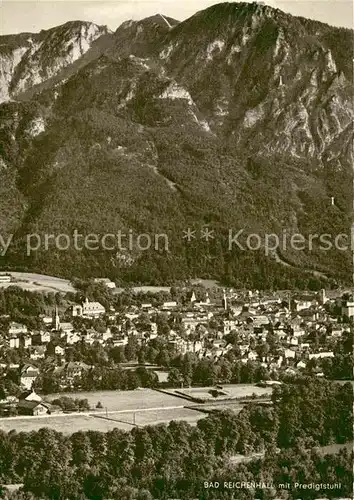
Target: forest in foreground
pixel 174 460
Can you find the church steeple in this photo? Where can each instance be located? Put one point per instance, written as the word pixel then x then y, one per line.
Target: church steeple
pixel 56 319
pixel 224 300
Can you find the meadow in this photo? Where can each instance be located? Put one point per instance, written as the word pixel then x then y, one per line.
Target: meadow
pixel 100 421
pixel 39 283
pixel 67 424
pixel 121 409
pixel 153 417
pixel 124 400
pixel 335 448
pixel 231 391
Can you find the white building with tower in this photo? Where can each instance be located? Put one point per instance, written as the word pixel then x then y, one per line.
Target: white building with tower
pixel 89 309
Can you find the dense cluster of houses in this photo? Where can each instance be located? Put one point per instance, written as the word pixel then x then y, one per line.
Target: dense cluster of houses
pixel 287 326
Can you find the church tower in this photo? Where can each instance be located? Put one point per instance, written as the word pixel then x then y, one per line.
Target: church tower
pixel 224 301
pixel 56 319
pixel 322 296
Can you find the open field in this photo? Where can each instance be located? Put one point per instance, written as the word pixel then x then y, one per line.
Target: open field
pixel 150 407
pixel 231 391
pixel 335 448
pixel 148 398
pixel 67 424
pixel 39 283
pixel 206 283
pixel 152 417
pixel 124 400
pixel 239 459
pixel 324 450
pixel 101 421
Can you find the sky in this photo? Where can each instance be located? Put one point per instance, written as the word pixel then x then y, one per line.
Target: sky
pixel 33 15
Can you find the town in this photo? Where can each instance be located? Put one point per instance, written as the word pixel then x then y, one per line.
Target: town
pixel 96 339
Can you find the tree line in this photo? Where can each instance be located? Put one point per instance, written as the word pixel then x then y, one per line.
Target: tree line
pixel 168 461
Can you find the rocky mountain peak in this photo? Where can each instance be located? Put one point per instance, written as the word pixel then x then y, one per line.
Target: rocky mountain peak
pixel 155 20
pixel 29 61
pixel 142 37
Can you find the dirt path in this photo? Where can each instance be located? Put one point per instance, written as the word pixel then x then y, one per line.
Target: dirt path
pixel 280 260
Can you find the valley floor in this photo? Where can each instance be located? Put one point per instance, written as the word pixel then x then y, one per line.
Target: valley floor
pixel 124 409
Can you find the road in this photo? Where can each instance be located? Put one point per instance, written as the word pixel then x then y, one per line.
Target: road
pixel 283 262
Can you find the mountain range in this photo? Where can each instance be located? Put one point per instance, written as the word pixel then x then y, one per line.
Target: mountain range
pixel 240 117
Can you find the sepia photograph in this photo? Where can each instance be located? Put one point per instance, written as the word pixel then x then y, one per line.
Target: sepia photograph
pixel 176 250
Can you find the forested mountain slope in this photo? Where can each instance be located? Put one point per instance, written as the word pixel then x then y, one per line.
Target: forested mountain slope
pixel 239 117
